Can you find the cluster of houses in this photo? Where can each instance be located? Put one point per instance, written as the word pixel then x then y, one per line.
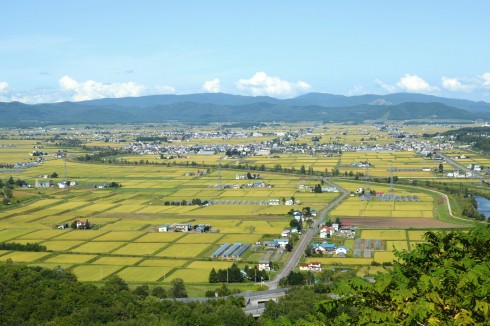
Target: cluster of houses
pixel 346 230
pixel 326 248
pixel 459 174
pixel 303 188
pixel 185 227
pixel 50 184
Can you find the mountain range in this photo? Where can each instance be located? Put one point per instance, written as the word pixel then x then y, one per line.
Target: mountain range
pixel 221 107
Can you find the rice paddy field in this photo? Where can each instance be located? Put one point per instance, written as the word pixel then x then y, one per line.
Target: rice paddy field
pixel 125 240
pixel 354 206
pixel 404 164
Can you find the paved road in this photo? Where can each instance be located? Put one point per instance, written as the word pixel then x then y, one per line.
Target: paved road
pixel 458 165
pixel 305 239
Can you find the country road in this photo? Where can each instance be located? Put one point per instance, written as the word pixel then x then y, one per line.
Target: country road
pixel 305 239
pixel 458 165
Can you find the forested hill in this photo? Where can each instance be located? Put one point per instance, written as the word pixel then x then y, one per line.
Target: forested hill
pixel 107 111
pixel 478 137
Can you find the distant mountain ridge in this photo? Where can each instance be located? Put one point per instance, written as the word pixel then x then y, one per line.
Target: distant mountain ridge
pixel 319 99
pixel 221 107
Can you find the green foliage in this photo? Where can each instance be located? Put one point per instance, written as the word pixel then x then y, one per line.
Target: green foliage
pixel 445 281
pixel 22 247
pixel 229 275
pixel 177 289
pixel 38 296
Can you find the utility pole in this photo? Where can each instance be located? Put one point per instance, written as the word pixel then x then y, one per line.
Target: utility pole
pixel 392 180
pixel 219 173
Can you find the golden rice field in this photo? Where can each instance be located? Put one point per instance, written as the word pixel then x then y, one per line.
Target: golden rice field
pixel 125 240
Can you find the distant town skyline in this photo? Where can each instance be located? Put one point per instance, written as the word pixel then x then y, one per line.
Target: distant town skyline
pixel 55 51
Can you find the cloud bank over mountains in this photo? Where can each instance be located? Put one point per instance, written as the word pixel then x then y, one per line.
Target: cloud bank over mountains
pixel 259 84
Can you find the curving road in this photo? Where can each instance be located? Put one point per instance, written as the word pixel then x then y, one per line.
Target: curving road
pixel 305 239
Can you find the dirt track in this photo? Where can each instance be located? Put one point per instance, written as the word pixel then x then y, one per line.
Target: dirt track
pixel 398 222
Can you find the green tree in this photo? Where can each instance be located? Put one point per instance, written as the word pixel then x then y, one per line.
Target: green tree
pixel 302 170
pixel 142 291
pixel 177 288
pixel 159 292
pixel 213 276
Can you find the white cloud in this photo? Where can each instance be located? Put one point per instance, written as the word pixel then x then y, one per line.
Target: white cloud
pixel 261 84
pixel 386 87
pixel 408 83
pixel 212 86
pixel 485 80
pixel 455 85
pixel 415 84
pixel 357 90
pixel 4 86
pixel 89 90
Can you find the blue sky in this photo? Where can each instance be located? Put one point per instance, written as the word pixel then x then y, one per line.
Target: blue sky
pixel 66 50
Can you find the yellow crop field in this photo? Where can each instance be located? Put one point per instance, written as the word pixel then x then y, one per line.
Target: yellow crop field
pixel 70 258
pixel 43 234
pixel 384 234
pixel 9 234
pixel 24 256
pixel 242 238
pixel 183 250
pixel 95 247
pixel 398 245
pixel 384 256
pixel 80 235
pixel 69 205
pixel 125 225
pixel 61 245
pixel 96 207
pixel 167 263
pixel 107 260
pixel 160 237
pixel 94 273
pixel 200 238
pixel 416 235
pixel 141 274
pixel 3 252
pixel 139 249
pixel 208 265
pixel 120 236
pixel 51 265
pixel 125 209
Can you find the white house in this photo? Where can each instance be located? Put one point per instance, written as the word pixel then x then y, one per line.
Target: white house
pixel 341 250
pixel 326 232
pixel 285 233
pixel 264 265
pixel 273 201
pixel 163 228
pixel 289 202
